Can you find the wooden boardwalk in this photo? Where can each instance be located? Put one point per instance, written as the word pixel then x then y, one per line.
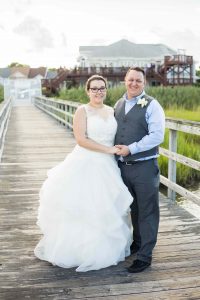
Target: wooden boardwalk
pixel 35 143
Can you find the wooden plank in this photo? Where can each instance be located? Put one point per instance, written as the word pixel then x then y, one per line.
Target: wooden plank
pixel 179 189
pixel 171 163
pixel 180 158
pixel 153 290
pixel 174 273
pixel 4 118
pixel 65 102
pixel 183 125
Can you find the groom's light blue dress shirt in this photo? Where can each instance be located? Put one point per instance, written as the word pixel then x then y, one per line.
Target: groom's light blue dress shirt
pixel 155 119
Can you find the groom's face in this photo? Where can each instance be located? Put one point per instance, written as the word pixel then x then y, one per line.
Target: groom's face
pixel 134 82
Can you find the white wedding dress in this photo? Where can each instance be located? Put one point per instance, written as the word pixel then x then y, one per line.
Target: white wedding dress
pixel 84 204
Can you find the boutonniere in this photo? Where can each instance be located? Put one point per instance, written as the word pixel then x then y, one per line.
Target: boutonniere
pixel 142 101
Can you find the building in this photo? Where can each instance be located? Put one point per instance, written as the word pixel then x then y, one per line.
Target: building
pixel 123 54
pixel 163 65
pixel 22 83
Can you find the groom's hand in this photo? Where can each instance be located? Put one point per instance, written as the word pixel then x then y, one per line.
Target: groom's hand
pixel 123 150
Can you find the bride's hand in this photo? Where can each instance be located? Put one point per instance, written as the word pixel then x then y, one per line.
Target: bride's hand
pixel 113 150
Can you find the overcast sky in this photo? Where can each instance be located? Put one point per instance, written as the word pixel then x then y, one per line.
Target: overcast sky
pixel 49 32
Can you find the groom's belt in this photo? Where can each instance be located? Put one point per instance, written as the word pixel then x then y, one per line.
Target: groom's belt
pixel 129 163
pixel 133 162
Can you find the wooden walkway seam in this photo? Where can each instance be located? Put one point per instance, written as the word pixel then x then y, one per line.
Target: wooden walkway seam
pixel 35 143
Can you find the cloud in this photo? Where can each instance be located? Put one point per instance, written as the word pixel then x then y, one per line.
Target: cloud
pixel 64 39
pixel 97 42
pixel 39 36
pixel 50 32
pixel 186 40
pixel 16 7
pixel 2 27
pixel 21 6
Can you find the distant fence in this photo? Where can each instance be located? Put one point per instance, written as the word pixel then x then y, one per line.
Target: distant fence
pixel 63 111
pixel 5 109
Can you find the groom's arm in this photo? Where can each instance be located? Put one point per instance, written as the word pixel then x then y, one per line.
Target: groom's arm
pixel 155 118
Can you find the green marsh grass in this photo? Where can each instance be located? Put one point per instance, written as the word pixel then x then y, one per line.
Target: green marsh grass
pixel 187 145
pixel 187 97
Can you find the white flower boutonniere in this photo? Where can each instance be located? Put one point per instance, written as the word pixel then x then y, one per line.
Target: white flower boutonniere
pixel 142 101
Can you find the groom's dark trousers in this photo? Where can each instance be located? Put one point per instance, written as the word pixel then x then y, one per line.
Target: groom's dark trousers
pixel 141 177
pixel 142 180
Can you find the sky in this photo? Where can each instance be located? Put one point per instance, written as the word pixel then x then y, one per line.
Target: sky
pixel 49 32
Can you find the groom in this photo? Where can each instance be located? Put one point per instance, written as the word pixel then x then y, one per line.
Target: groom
pixel 141 125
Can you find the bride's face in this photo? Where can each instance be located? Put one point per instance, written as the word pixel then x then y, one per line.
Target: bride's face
pixel 97 91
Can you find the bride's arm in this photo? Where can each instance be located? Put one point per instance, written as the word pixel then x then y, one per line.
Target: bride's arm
pixel 79 128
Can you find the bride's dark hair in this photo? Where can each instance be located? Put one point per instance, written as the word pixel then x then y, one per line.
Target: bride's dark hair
pixel 94 77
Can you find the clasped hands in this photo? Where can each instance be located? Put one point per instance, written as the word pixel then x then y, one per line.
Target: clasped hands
pixel 122 150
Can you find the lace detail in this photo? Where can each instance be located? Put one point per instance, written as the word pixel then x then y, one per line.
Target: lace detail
pixel 105 112
pixel 101 124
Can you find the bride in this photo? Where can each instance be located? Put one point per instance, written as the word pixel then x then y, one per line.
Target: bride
pixel 84 204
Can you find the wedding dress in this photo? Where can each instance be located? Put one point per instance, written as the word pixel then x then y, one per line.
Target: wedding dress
pixel 84 204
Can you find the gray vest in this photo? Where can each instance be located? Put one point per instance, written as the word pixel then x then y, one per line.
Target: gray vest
pixel 132 127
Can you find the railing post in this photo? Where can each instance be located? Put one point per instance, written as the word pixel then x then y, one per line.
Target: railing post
pixel 63 116
pixel 171 163
pixel 4 118
pixel 71 112
pixel 59 106
pixel 67 117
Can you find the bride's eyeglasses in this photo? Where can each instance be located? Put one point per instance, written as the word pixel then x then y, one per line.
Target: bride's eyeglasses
pixel 101 89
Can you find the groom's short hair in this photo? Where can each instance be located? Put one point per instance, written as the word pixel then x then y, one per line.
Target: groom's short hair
pixel 138 69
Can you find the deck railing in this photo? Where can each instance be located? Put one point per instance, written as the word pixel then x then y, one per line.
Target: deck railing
pixel 60 110
pixel 63 111
pixel 175 125
pixel 5 109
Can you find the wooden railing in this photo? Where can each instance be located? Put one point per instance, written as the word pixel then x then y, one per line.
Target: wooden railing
pixel 63 111
pixel 175 125
pixel 4 117
pixel 60 110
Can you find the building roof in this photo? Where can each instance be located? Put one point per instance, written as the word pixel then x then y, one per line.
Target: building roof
pixel 125 48
pixel 26 71
pixel 22 70
pixel 4 72
pixel 33 72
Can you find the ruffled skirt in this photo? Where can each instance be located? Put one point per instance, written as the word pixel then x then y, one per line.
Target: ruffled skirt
pixel 84 213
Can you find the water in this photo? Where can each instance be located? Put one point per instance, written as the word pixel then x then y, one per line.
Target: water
pixel 190 206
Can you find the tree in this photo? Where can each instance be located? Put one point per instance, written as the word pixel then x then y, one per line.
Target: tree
pixel 16 64
pixel 198 72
